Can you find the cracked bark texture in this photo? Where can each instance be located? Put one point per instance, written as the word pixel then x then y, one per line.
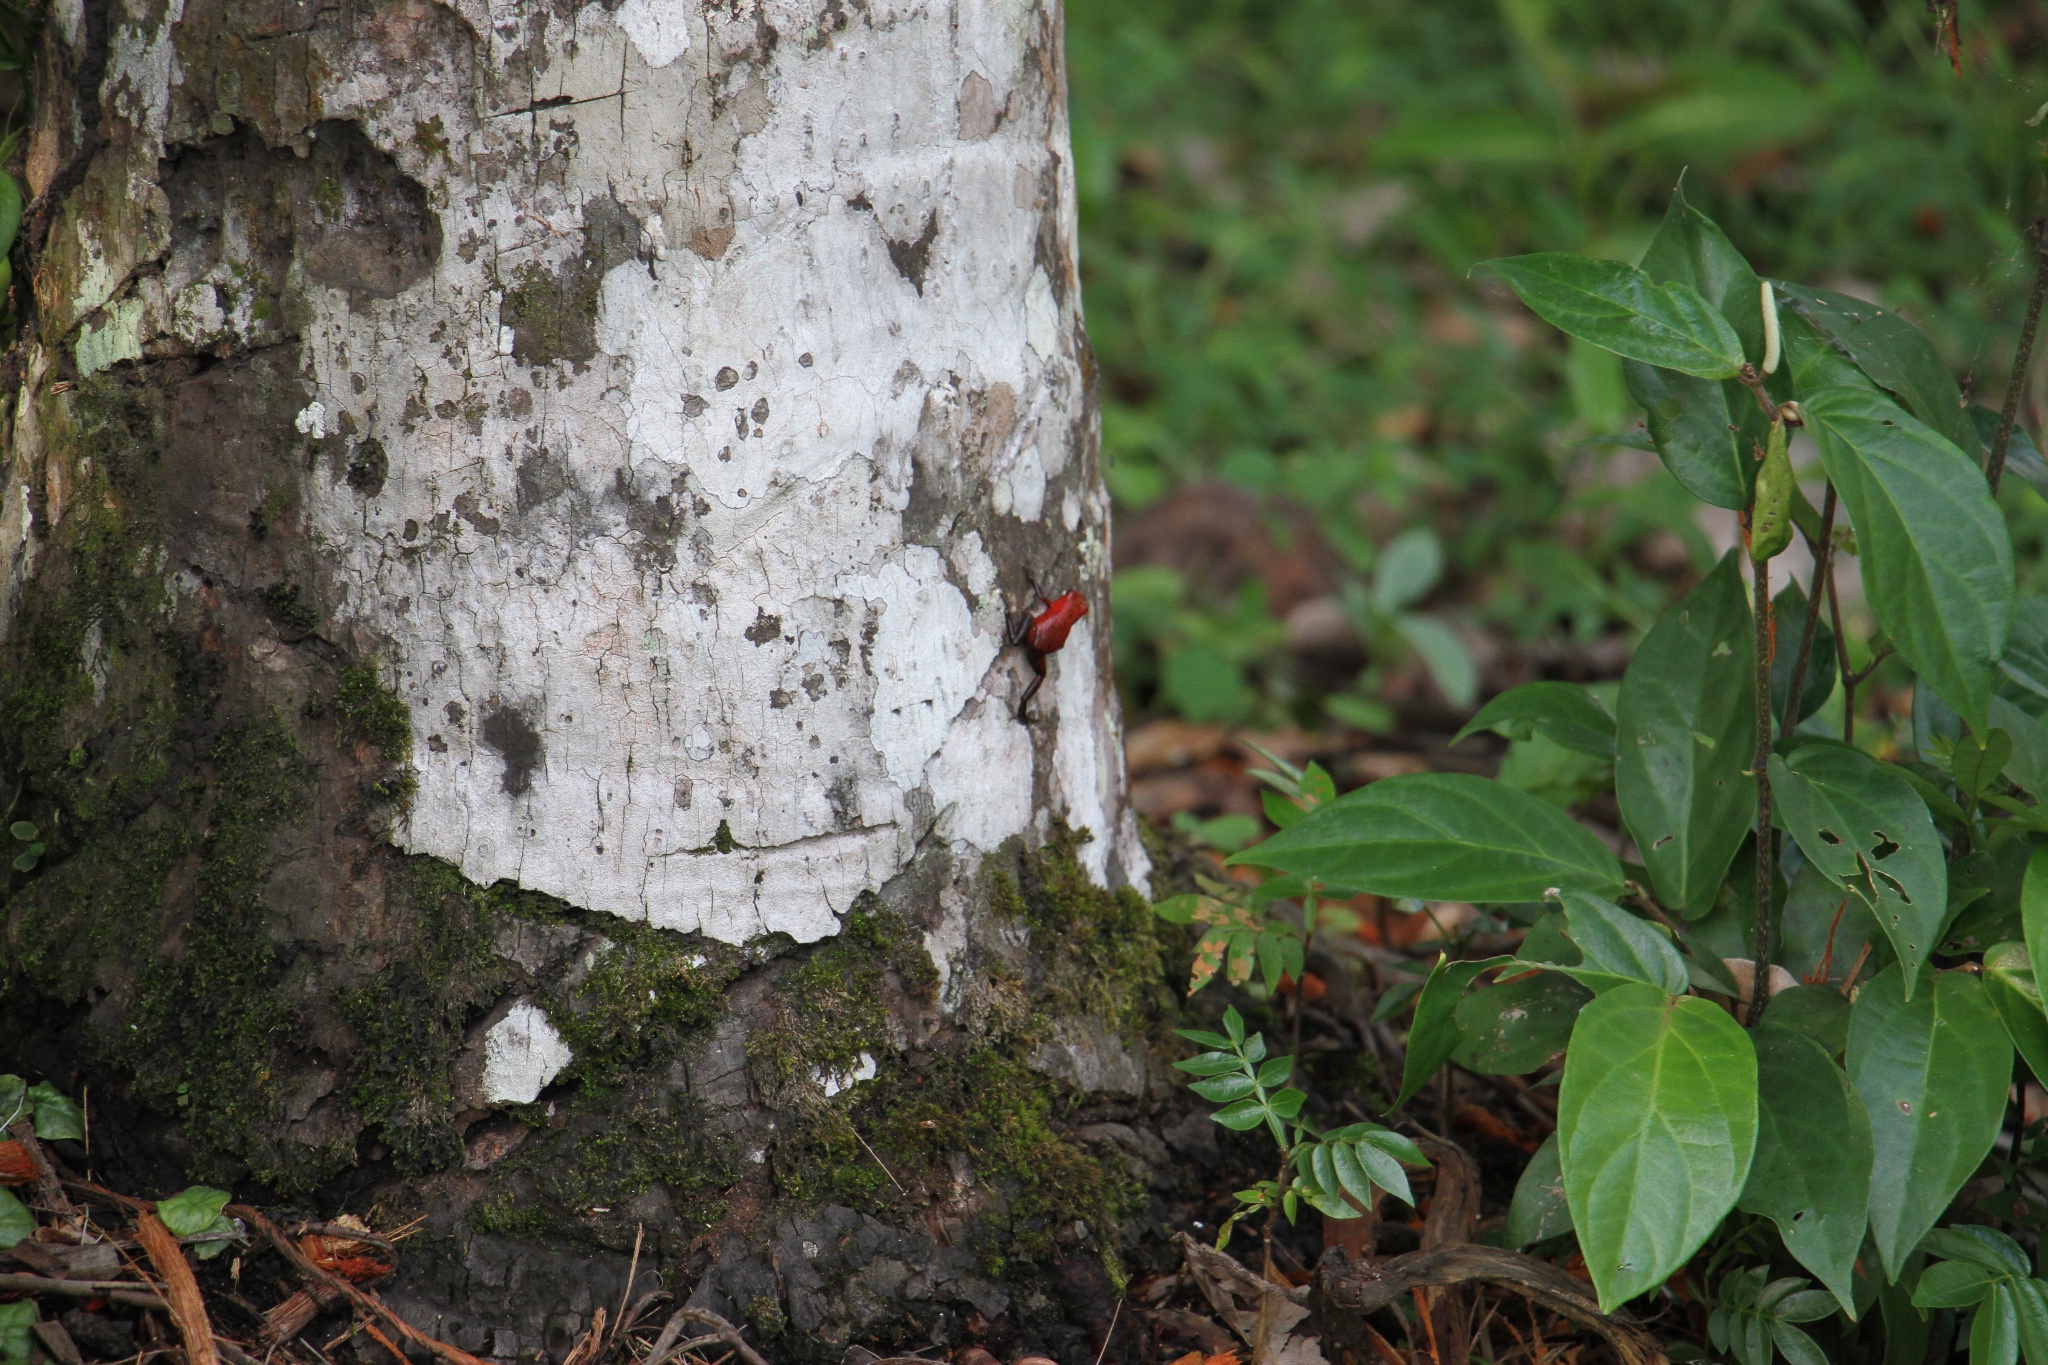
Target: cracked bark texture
pixel 511 507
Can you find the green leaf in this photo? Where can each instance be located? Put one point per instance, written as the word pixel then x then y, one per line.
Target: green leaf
pixel 1811 1176
pixel 1242 1116
pixel 1276 1071
pixel 1223 1089
pixel 1893 353
pixel 191 1211
pixel 1995 1330
pixel 1441 836
pixel 1540 1210
pixel 1450 664
pixel 1695 431
pixel 1657 1116
pixel 15 1321
pixel 1932 1072
pixel 1689 248
pixel 2028 766
pixel 57 1117
pixel 1620 309
pixel 2034 904
pixel 1408 568
pixel 1210 1063
pixel 22 830
pixel 2010 985
pixel 1936 560
pixel 1685 733
pixel 1620 946
pixel 16 1222
pixel 1868 832
pixel 1513 1028
pixel 1797 1347
pixel 2025 661
pixel 1979 1245
pixel 1563 713
pixel 1434 1035
pixel 1790 606
pixel 1817 1012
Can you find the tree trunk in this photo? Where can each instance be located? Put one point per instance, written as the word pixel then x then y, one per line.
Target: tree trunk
pixel 509 522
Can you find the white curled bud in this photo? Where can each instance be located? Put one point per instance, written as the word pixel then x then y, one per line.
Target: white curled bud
pixel 1770 303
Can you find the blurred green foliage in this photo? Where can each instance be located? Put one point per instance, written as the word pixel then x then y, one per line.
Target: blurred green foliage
pixel 1280 200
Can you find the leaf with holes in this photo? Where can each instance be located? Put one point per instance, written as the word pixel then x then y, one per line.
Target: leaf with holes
pixel 1441 836
pixel 1932 1072
pixel 1868 831
pixel 1936 559
pixel 1811 1176
pixel 1685 728
pixel 1620 309
pixel 1563 713
pixel 1657 1121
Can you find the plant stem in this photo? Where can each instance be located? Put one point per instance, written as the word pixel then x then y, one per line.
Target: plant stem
pixel 1823 556
pixel 1842 660
pixel 1760 975
pixel 1994 464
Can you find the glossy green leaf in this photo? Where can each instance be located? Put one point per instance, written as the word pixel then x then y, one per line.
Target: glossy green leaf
pixel 1995 1330
pixel 1865 827
pixel 1620 947
pixel 2034 904
pixel 1932 1072
pixel 1894 353
pixel 1790 606
pixel 1953 1284
pixel 1696 431
pixel 1689 248
pixel 1434 1035
pixel 1657 1116
pixel 1540 1210
pixel 1441 836
pixel 1620 309
pixel 1563 713
pixel 1811 1176
pixel 2028 765
pixel 2010 986
pixel 1817 1012
pixel 1685 733
pixel 2025 662
pixel 1936 560
pixel 1513 1028
pixel 192 1210
pixel 16 1222
pixel 58 1116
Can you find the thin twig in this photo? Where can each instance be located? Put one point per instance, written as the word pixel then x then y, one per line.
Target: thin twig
pixel 632 1272
pixel 1114 1315
pixel 878 1160
pixel 2001 437
pixel 1760 989
pixel 1823 555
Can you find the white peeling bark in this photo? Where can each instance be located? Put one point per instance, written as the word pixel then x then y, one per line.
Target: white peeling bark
pixel 718 562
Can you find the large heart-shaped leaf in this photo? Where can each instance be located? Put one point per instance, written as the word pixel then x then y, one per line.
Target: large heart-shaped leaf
pixel 1868 831
pixel 1936 560
pixel 1811 1176
pixel 1657 1121
pixel 1563 713
pixel 1621 309
pixel 1685 733
pixel 1932 1072
pixel 1441 836
pixel 1893 353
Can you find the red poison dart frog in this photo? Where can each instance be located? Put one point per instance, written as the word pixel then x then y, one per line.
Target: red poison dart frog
pixel 1046 633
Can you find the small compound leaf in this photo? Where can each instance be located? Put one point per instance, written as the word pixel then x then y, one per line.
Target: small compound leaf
pixel 1932 1073
pixel 1241 1116
pixel 1223 1089
pixel 1685 732
pixel 1441 836
pixel 1811 1176
pixel 1657 1123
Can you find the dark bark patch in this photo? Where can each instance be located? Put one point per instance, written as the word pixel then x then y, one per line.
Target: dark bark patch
pixel 368 467
pixel 518 743
pixel 552 311
pixel 765 629
pixel 913 258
